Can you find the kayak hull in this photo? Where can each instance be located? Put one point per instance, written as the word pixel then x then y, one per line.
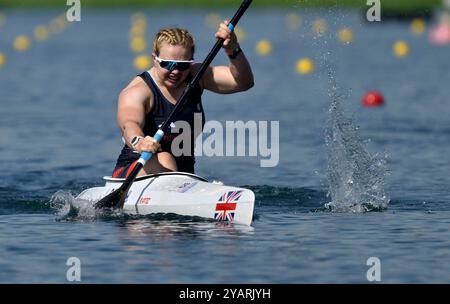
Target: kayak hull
pixel 183 194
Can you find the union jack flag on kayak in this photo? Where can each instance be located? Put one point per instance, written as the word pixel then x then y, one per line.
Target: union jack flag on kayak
pixel 227 205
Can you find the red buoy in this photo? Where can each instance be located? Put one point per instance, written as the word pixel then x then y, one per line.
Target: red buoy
pixel 373 99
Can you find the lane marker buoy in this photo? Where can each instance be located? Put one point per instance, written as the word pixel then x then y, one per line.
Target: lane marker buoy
pixel 142 62
pixel 345 35
pixel 305 66
pixel 401 49
pixel 373 99
pixel 22 43
pixel 264 47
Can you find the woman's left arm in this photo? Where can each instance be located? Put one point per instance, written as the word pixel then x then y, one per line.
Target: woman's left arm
pixel 237 76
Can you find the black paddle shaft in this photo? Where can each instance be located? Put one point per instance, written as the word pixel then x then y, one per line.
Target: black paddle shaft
pixel 237 16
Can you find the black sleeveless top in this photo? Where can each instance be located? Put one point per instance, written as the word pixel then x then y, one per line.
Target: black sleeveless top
pixel 155 118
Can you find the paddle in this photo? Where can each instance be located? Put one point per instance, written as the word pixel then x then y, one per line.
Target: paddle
pixel 116 199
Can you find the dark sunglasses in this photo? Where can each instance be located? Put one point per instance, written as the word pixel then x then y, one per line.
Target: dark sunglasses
pixel 181 65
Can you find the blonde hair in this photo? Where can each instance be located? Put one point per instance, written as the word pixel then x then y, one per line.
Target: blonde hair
pixel 173 36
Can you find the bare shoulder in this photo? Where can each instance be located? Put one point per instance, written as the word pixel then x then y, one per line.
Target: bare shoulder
pixel 137 92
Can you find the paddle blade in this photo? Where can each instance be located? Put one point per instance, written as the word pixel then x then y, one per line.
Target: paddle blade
pixel 113 200
pixel 116 199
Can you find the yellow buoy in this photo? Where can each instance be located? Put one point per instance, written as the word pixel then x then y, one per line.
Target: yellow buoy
pixel 137 16
pixel 240 34
pixel 142 62
pixel 140 23
pixel 2 60
pixel 136 31
pixel 22 43
pixel 401 48
pixel 418 26
pixel 264 47
pixel 213 20
pixel 305 66
pixel 41 33
pixel 320 27
pixel 57 25
pixel 293 21
pixel 138 44
pixel 345 36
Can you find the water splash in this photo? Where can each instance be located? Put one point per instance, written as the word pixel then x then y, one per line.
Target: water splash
pixel 356 178
pixel 71 208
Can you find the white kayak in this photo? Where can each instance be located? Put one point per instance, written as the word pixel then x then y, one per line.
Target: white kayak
pixel 182 194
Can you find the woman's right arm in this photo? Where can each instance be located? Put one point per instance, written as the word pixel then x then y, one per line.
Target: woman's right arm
pixel 132 107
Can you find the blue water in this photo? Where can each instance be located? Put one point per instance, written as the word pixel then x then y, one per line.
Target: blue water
pixel 58 133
